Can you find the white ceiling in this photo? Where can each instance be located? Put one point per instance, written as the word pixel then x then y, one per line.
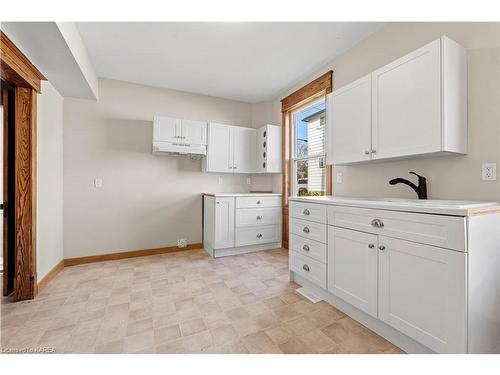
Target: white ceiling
pixel 250 62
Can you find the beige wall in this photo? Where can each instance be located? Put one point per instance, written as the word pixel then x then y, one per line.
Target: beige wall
pixel 49 213
pixel 146 201
pixel 451 177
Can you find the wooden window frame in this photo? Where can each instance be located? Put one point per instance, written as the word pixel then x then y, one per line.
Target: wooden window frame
pixel 20 73
pixel 311 92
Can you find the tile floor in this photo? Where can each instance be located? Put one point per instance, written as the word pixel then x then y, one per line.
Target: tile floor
pixel 182 303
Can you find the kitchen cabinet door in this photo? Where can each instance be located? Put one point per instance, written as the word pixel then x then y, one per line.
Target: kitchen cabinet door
pixel 406 105
pixel 194 132
pixel 422 293
pixel 220 148
pixel 348 130
pixel 352 267
pixel 224 223
pixel 244 149
pixel 167 129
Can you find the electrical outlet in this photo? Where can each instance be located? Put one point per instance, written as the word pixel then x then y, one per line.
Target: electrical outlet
pixel 98 182
pixel 249 180
pixel 489 171
pixel 220 181
pixel 181 242
pixel 340 177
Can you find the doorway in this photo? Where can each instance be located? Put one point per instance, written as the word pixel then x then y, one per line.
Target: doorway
pixel 7 157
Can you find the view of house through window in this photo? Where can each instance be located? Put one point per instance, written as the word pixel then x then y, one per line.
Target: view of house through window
pixel 309 167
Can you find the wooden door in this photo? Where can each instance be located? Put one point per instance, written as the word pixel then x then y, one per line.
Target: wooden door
pixel 349 123
pixel 352 267
pixel 224 223
pixel 220 148
pixel 194 132
pixel 244 150
pixel 25 78
pixel 422 293
pixel 406 104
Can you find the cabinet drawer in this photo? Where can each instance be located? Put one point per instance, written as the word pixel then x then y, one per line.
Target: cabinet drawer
pixel 308 229
pixel 438 230
pixel 308 211
pixel 257 235
pixel 246 217
pixel 254 202
pixel 309 268
pixel 308 247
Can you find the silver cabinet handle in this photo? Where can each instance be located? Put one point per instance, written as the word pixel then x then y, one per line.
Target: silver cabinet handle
pixel 305 248
pixel 306 230
pixel 374 151
pixel 367 152
pixel 259 235
pixel 306 212
pixel 258 202
pixel 377 223
pixel 305 267
pixel 259 217
pixel 235 167
pixel 381 247
pixel 371 246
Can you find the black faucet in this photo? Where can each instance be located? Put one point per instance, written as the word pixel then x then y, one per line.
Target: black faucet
pixel 421 189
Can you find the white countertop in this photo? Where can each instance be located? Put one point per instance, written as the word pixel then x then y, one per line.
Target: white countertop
pixel 250 194
pixel 432 206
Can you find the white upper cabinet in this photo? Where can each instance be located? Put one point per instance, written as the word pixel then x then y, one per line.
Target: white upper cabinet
pixel 194 132
pixel 269 149
pixel 418 108
pixel 244 150
pixel 219 149
pixel 167 129
pixel 172 135
pixel 230 149
pixel 349 118
pixel 407 104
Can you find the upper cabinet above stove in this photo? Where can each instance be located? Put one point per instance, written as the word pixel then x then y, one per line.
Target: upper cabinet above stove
pixel 415 106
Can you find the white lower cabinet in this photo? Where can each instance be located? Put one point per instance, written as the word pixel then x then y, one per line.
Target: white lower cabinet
pixel 422 293
pixel 430 286
pixel 224 223
pixel 352 267
pixel 235 224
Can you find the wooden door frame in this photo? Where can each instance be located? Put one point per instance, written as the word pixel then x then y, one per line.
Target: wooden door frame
pixel 307 94
pixel 20 73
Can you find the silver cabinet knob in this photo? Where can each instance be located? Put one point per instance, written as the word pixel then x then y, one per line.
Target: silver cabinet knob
pixel 367 152
pixel 306 230
pixel 381 247
pixel 306 212
pixel 258 202
pixel 374 151
pixel 305 248
pixel 371 246
pixel 305 267
pixel 377 223
pixel 259 217
pixel 259 235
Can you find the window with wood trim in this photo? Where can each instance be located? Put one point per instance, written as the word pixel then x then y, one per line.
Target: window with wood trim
pixel 308 95
pixel 308 151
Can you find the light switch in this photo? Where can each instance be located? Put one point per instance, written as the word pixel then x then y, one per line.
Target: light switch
pixel 98 182
pixel 220 181
pixel 249 181
pixel 489 171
